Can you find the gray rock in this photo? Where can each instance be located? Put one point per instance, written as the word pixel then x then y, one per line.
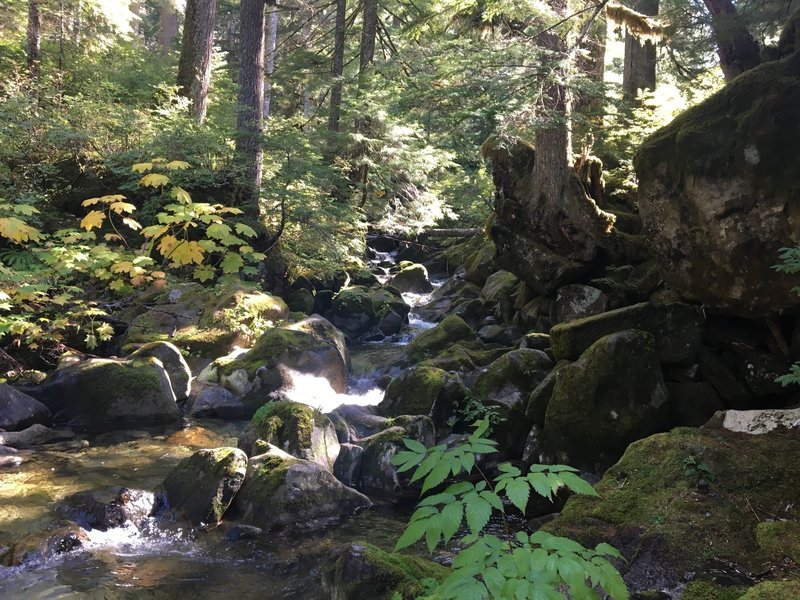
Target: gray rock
pixel 19 411
pixel 35 435
pixel 91 511
pixel 202 486
pixel 282 491
pixel 212 400
pixel 578 301
pixel 180 375
pixel 347 467
pixel 756 422
pixel 413 278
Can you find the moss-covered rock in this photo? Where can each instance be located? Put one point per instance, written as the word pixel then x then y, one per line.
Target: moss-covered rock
pixel 19 411
pixel 412 278
pixel 678 501
pixel 430 343
pixel 773 590
pixel 281 491
pixel 311 346
pixel 718 191
pixel 780 538
pixel 296 428
pixel 461 359
pixel 102 394
pixel 180 375
pixel 360 571
pixel 201 487
pixel 614 394
pixel 499 285
pixel 676 328
pixel 301 300
pixel 423 391
pixel 353 311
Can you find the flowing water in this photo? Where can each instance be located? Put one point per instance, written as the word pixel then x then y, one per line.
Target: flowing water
pixel 163 560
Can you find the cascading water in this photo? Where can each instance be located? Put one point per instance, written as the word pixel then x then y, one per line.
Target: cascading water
pixel 160 559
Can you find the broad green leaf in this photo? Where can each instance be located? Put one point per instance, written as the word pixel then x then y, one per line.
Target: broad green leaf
pixel 122 207
pixel 133 224
pixel 142 167
pixel 478 512
pixel 231 263
pixel 154 180
pixel 576 484
pixel 412 534
pixel 187 253
pixel 451 517
pixel 181 195
pixel 245 230
pixel 154 231
pixel 459 488
pixel 219 231
pixel 204 273
pixel 414 445
pixel 94 219
pixel 437 475
pixel 442 498
pixel 607 550
pixel 177 165
pixel 18 231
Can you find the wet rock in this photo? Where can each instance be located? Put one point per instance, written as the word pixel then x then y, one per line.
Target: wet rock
pixel 301 300
pixel 90 511
pixel 733 392
pixel 653 508
pixel 614 394
pixel 536 408
pixel 430 343
pixel 102 394
pixel 180 375
pixel 283 491
pixel 353 311
pixel 312 347
pixel 535 341
pixel 499 285
pixel 676 328
pixel 579 301
pixel 201 487
pixel 756 422
pixel 298 429
pixel 212 400
pixel 360 571
pixel 718 189
pixel 378 474
pixel 59 538
pixel 505 335
pixel 35 435
pixel 413 278
pixel 424 390
pixel 243 532
pixel 353 422
pixel 19 411
pixel 347 468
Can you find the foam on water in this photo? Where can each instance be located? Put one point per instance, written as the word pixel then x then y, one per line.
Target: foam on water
pixel 317 392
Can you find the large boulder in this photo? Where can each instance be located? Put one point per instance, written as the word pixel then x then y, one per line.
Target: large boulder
pixel 423 390
pixel 430 343
pixel 211 400
pixel 676 327
pixel 312 347
pixel 353 311
pixel 296 428
pixel 19 411
pixel 613 395
pixel 283 491
pixel 695 503
pixel 719 189
pixel 412 278
pixel 102 394
pixel 180 375
pixel 361 571
pixel 35 435
pixel 109 508
pixel 201 487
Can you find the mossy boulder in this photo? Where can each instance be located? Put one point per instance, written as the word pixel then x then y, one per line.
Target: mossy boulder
pixel 210 400
pixel 671 520
pixel 412 278
pixel 106 509
pixel 613 395
pixel 301 300
pixel 297 429
pixel 201 487
pixel 577 301
pixel 102 394
pixel 676 327
pixel 432 342
pixel 180 375
pixel 378 474
pixel 499 285
pixel 58 538
pixel 361 571
pixel 311 346
pixel 423 391
pixel 19 411
pixel 461 359
pixel 718 191
pixel 281 491
pixel 353 311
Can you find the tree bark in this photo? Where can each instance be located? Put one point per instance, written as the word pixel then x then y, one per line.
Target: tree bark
pixel 34 49
pixel 169 21
pixel 271 48
pixel 77 24
pixel 337 67
pixel 194 70
pixel 736 47
pixel 369 31
pixel 250 100
pixel 639 67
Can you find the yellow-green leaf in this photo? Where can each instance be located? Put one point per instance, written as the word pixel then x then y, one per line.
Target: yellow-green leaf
pixel 154 231
pixel 93 219
pixel 245 230
pixel 90 201
pixel 204 273
pixel 231 210
pixel 17 230
pixel 104 331
pixel 232 263
pixel 122 267
pixel 181 195
pixel 142 167
pixel 219 231
pixel 178 165
pixel 166 245
pixel 117 285
pixel 154 180
pixel 26 210
pixel 186 253
pixel 122 207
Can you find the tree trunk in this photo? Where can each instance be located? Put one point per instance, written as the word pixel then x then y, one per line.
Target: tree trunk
pixel 271 49
pixel 337 67
pixel 737 49
pixel 34 38
pixel 639 69
pixel 169 20
pixel 77 24
pixel 250 100
pixel 308 97
pixel 369 31
pixel 194 70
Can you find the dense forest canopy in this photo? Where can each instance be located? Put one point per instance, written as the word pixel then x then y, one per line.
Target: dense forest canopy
pixel 266 137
